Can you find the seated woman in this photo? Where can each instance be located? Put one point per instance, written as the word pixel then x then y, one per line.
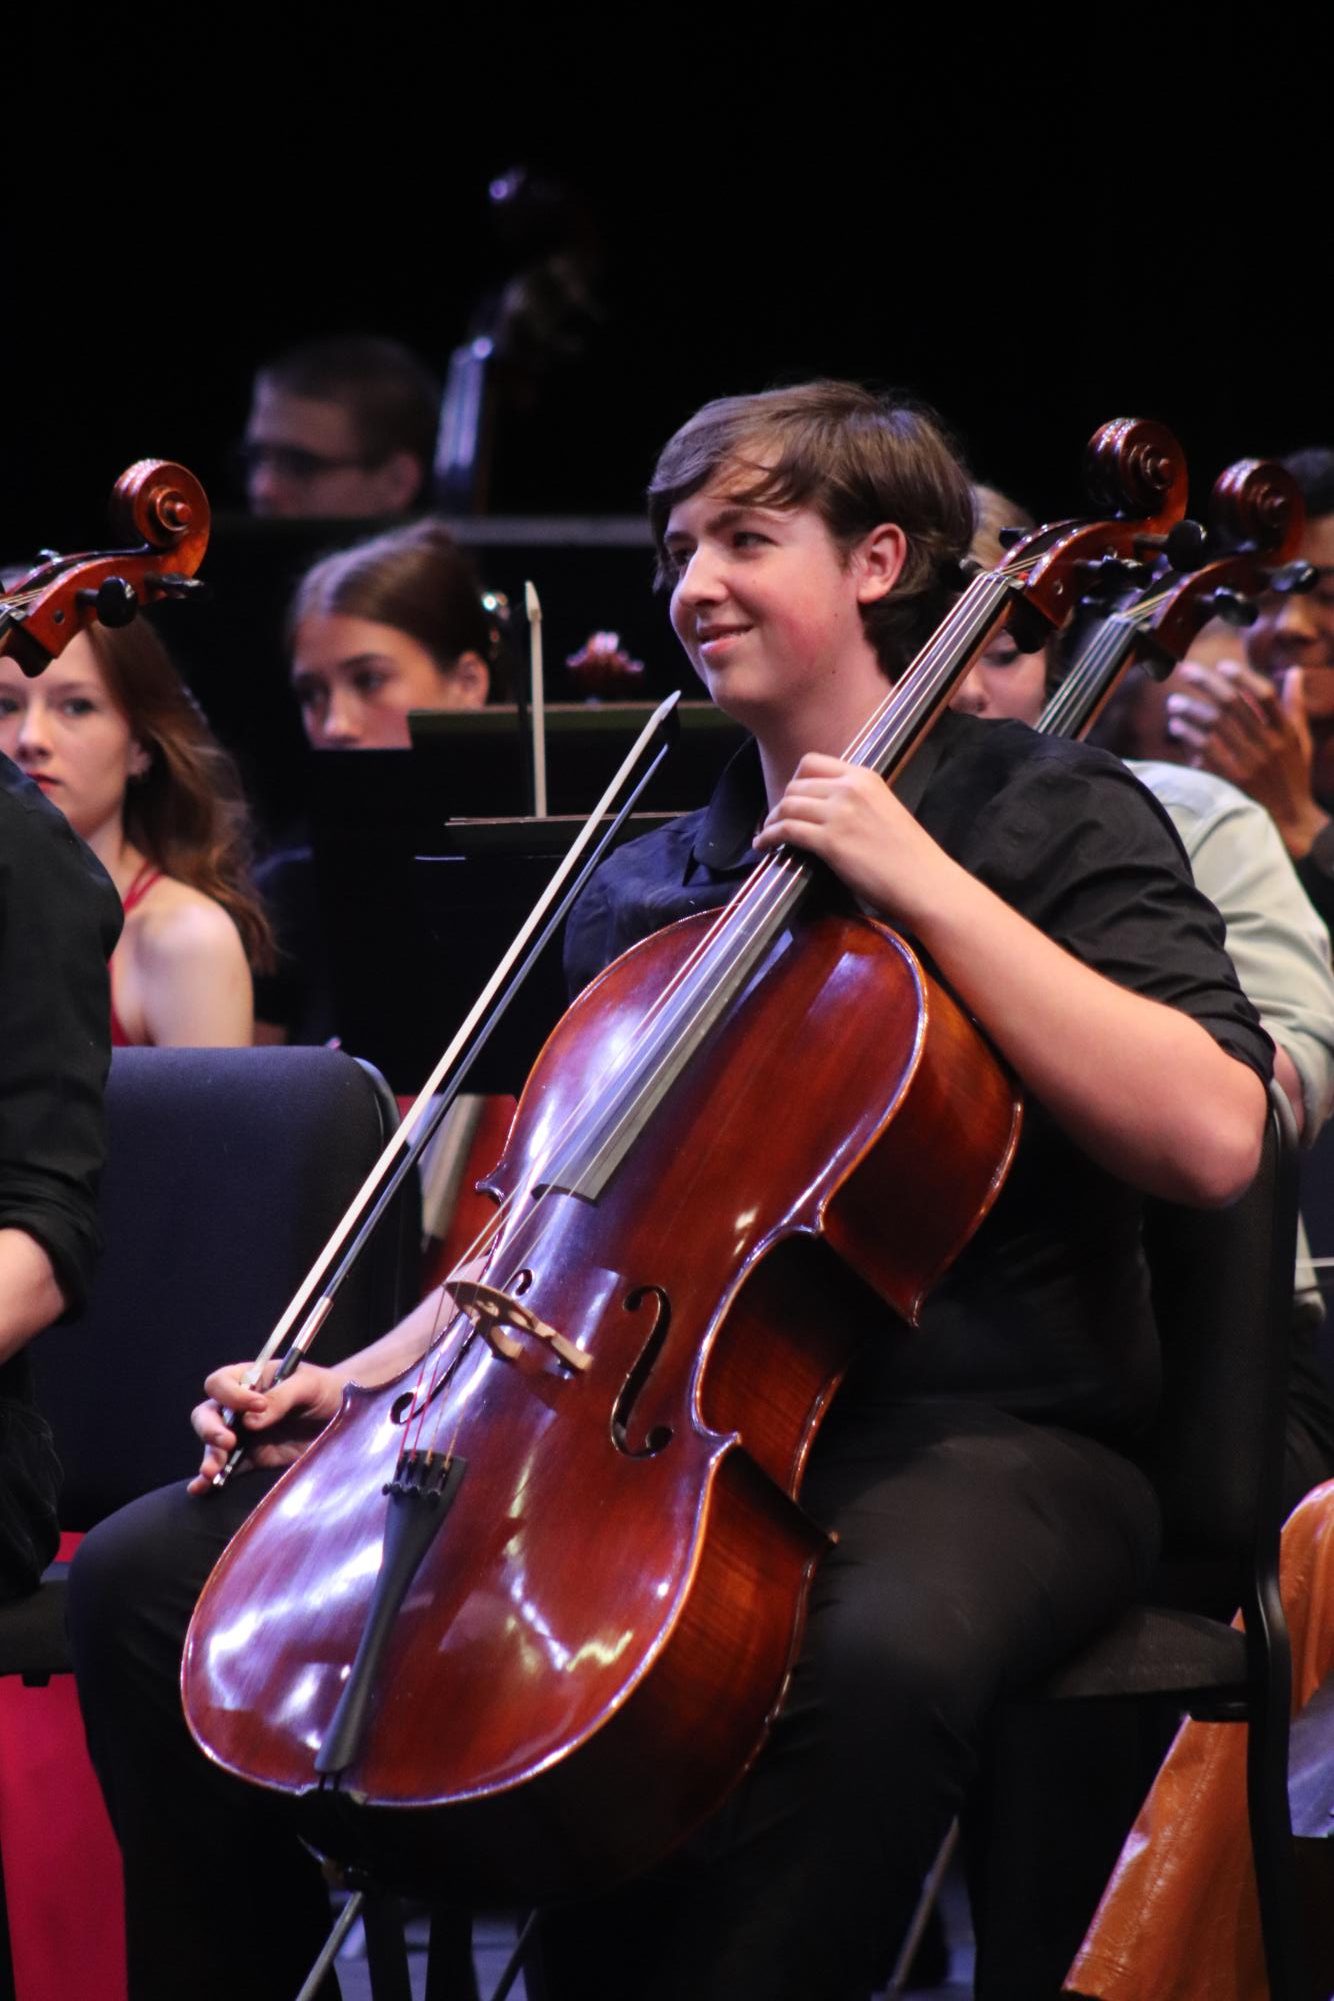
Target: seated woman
pixel 113 737
pixel 375 631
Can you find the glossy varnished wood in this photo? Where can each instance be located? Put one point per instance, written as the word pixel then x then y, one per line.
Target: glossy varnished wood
pixel 595 1641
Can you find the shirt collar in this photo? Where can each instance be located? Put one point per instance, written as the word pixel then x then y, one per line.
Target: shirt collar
pixel 728 827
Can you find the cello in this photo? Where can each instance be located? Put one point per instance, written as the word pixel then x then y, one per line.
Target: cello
pixel 158 504
pixel 649 1368
pixel 1256 518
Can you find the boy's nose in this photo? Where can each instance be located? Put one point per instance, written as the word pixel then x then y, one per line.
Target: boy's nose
pixel 700 581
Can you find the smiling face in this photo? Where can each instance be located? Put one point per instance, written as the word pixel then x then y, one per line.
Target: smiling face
pixel 1296 629
pixel 356 680
pixel 769 610
pixel 65 731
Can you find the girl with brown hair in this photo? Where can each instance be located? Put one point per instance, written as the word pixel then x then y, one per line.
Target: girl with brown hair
pixel 394 624
pixel 113 737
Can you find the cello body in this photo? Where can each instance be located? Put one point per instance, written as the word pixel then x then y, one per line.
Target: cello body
pixel 592 1645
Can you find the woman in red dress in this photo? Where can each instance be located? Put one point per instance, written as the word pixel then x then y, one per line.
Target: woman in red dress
pixel 113 737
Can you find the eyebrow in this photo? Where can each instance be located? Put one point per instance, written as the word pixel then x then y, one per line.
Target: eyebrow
pixel 349 665
pixel 724 518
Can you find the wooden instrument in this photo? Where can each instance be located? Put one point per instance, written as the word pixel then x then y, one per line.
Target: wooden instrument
pixel 1256 518
pixel 511 1630
pixel 156 502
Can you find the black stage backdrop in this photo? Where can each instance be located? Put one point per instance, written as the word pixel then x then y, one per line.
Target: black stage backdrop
pixel 1031 240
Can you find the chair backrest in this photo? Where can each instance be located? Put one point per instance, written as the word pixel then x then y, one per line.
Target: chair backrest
pixel 1222 1292
pixel 227 1170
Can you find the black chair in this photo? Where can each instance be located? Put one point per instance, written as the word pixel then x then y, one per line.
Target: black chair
pixel 227 1170
pixel 1222 1289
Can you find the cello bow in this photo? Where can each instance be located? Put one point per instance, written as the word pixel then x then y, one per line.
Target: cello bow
pixel 597 1573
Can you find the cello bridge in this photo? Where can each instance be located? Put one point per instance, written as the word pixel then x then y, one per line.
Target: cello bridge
pixel 493 1311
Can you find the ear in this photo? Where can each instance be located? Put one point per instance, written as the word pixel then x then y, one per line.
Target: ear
pixel 880 559
pixel 400 480
pixel 141 759
pixel 472 678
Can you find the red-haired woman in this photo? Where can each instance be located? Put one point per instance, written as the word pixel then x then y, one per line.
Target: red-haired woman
pixel 113 737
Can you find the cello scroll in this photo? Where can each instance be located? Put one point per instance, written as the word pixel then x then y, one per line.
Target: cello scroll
pixel 163 511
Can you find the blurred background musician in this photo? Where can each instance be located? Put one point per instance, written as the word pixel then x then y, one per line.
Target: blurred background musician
pixel 1279 946
pixel 1281 952
pixel 375 631
pixel 386 627
pixel 341 428
pixel 1258 708
pixel 113 738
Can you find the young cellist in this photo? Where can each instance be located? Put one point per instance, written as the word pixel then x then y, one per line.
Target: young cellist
pixel 980 1472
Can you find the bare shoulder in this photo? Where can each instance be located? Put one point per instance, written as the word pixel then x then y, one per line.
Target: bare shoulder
pixel 181 975
pixel 175 923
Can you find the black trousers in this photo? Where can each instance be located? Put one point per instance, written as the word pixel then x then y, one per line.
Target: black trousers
pixel 974 1551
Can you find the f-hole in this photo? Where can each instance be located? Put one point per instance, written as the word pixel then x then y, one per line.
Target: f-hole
pixel 634 1385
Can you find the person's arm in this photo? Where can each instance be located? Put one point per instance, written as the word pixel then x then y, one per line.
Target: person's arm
pixel 1277 943
pixel 59 919
pixel 1239 725
pixel 193 979
pixel 30 1293
pixel 1144 1089
pixel 278 1422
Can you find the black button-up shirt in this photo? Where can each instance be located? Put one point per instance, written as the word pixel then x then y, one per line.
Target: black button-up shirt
pixel 1046 1313
pixel 59 918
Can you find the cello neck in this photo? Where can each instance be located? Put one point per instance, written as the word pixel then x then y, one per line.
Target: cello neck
pixel 766 905
pixel 1094 674
pixel 898 727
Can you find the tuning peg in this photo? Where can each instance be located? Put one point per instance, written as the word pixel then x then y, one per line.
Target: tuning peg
pixel 1294 577
pixel 170 585
pixel 1186 546
pixel 1231 606
pixel 114 602
pixel 1113 573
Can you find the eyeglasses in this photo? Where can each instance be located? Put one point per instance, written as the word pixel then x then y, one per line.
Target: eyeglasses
pixel 291 461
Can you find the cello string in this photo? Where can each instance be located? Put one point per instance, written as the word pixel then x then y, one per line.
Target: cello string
pixel 763 891
pixel 770 881
pixel 725 954
pixel 899 717
pixel 903 708
pixel 1111 640
pixel 877 738
pixel 765 888
pixel 1085 678
pixel 439 1318
pixel 667 1026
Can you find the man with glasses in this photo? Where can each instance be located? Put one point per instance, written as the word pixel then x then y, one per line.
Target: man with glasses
pixel 340 429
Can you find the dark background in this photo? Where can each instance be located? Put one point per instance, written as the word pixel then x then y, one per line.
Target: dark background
pixel 1031 231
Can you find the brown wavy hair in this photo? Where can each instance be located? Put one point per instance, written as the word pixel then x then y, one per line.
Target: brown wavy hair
pixel 856 457
pixel 187 812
